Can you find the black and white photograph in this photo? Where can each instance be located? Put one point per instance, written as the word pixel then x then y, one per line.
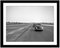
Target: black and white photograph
pixel 30 23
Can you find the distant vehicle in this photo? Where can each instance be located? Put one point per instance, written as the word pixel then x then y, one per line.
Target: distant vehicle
pixel 37 27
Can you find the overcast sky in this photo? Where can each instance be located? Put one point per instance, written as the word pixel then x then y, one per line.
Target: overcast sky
pixel 30 13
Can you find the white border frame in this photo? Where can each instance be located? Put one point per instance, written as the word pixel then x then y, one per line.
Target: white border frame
pixel 30 43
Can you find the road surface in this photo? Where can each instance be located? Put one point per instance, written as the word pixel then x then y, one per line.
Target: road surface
pixel 26 33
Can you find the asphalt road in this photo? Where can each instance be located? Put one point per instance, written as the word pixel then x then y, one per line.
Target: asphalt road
pixel 26 33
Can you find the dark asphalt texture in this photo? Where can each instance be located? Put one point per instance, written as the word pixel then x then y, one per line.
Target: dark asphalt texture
pixel 28 34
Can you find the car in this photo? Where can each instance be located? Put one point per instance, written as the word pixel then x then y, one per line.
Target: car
pixel 37 27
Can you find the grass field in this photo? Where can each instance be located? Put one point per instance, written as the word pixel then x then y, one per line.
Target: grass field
pixel 24 32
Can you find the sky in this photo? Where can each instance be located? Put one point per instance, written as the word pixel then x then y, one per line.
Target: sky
pixel 30 14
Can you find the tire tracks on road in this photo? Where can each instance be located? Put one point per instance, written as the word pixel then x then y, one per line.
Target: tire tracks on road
pixel 17 30
pixel 12 36
pixel 27 30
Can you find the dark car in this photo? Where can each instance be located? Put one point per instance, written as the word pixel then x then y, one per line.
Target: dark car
pixel 37 27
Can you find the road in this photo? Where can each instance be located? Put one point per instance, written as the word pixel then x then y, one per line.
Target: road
pixel 26 33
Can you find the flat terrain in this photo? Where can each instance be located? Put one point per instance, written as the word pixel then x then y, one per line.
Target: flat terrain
pixel 25 32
